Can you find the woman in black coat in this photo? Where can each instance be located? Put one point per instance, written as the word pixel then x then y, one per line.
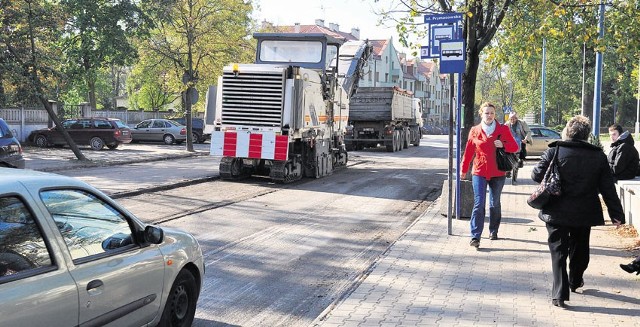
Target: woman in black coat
pixel 584 172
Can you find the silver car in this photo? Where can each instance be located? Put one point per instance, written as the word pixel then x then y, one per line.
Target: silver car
pixel 71 256
pixel 541 137
pixel 159 130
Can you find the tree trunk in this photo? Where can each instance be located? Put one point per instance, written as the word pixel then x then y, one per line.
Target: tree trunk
pixel 65 134
pixel 469 92
pixel 91 83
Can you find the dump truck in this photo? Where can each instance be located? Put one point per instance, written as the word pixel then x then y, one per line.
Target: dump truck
pixel 388 116
pixel 285 116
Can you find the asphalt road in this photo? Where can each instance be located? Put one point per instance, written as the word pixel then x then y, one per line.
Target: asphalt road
pixel 280 255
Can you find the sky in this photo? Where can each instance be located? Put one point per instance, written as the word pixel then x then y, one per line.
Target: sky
pixel 347 14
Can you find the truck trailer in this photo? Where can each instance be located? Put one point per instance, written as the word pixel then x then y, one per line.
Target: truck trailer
pixel 388 116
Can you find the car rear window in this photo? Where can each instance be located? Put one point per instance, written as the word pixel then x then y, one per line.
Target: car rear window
pixel 120 124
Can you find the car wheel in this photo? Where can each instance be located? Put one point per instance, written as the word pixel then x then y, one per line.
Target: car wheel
pixel 96 143
pixel 181 303
pixel 113 146
pixel 195 138
pixel 41 141
pixel 168 139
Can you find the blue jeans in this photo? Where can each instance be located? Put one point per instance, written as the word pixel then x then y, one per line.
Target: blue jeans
pixel 479 201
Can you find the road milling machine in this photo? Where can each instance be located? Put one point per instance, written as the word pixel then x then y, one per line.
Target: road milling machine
pixel 285 115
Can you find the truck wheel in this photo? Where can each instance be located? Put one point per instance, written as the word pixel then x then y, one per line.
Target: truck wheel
pixel 406 135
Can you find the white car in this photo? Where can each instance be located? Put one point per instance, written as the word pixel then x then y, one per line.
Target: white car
pixel 71 256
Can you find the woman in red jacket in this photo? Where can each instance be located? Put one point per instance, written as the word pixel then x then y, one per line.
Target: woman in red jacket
pixel 483 141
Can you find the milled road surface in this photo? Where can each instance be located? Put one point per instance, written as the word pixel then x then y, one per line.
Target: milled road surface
pixel 278 255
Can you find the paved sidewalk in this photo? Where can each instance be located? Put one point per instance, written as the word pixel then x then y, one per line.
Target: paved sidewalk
pixel 428 278
pixel 60 159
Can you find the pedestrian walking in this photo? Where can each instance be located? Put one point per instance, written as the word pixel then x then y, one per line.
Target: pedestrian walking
pixel 623 157
pixel 632 267
pixel 584 173
pixel 522 134
pixel 481 146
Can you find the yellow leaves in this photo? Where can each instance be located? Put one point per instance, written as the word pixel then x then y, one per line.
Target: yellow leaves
pixel 469 14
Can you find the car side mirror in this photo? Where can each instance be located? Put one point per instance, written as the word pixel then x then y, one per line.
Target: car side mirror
pixel 153 234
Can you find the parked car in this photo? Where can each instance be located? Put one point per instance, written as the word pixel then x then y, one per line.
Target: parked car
pixel 159 130
pixel 10 148
pixel 95 132
pixel 71 256
pixel 197 129
pixel 541 137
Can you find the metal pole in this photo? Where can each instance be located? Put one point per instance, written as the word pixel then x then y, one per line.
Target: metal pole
pixel 458 143
pixel 638 106
pixel 598 80
pixel 584 67
pixel 544 77
pixel 450 172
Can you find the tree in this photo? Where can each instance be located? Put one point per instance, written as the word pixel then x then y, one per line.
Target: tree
pixel 98 34
pixel 29 37
pixel 194 37
pixel 569 27
pixel 482 18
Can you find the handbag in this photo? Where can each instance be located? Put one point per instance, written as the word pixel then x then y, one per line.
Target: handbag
pixel 505 160
pixel 550 185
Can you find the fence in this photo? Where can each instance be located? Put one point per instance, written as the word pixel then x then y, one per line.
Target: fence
pixel 23 121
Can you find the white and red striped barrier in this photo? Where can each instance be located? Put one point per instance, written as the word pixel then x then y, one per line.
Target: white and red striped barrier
pixel 244 144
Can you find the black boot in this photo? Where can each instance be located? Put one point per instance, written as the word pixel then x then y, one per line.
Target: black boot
pixel 631 267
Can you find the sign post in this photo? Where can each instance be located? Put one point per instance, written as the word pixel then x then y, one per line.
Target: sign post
pixel 445 44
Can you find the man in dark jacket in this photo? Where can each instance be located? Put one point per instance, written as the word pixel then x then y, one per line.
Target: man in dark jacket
pixel 623 157
pixel 584 172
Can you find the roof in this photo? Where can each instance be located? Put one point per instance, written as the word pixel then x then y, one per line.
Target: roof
pixel 378 47
pixel 310 29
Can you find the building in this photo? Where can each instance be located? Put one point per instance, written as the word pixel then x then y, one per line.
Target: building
pixel 388 67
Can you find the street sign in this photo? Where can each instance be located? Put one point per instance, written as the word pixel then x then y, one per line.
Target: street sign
pixel 443 18
pixel 439 33
pixel 424 52
pixel 452 56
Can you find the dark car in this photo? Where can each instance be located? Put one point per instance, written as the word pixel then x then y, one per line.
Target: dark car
pixel 197 129
pixel 10 148
pixel 95 132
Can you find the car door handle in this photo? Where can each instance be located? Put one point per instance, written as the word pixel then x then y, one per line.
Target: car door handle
pixel 94 284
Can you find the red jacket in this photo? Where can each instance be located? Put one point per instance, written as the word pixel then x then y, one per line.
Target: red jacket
pixel 480 147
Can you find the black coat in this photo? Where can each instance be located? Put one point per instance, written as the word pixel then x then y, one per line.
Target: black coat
pixel 623 158
pixel 584 172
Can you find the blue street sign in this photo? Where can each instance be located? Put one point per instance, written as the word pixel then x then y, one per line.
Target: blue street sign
pixel 452 56
pixel 443 18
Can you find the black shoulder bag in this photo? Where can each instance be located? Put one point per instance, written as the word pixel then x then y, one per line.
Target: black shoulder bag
pixel 504 159
pixel 550 185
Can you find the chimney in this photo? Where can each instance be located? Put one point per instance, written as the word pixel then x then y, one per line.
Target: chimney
pixel 296 28
pixel 356 33
pixel 332 26
pixel 320 22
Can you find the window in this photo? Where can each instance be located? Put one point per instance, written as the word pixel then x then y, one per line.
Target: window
pixel 549 133
pixel 291 51
pixel 68 123
pixel 88 225
pixel 22 245
pixel 103 124
pixel 144 124
pixel 158 124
